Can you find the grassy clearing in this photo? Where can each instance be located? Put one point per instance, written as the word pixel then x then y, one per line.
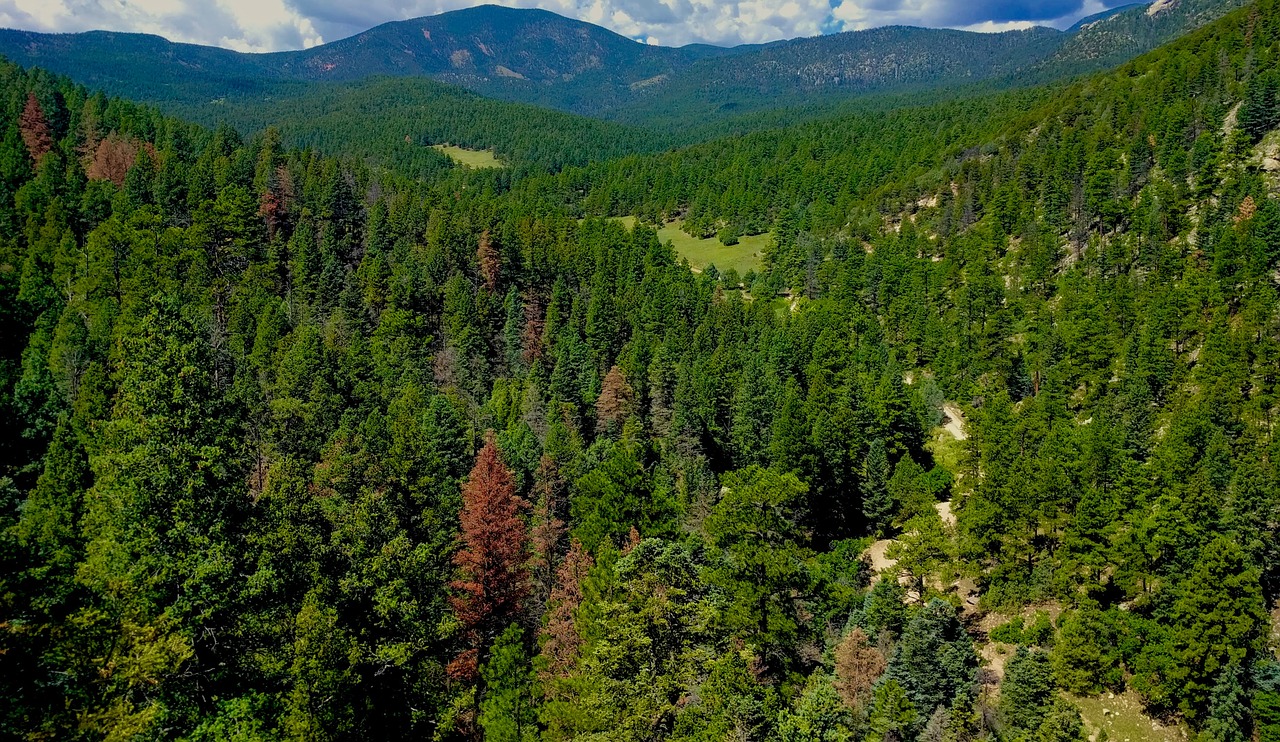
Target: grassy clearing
pixel 1121 716
pixel 477 158
pixel 747 255
pixel 946 449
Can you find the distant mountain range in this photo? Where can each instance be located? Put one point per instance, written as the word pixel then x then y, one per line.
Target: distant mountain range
pixel 535 56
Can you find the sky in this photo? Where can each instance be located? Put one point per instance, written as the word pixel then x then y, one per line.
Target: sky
pixel 273 25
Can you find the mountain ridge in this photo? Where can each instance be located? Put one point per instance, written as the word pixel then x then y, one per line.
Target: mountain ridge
pixel 539 57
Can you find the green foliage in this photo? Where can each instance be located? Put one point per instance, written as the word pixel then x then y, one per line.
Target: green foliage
pixel 818 716
pixel 893 715
pixel 935 661
pixel 1085 655
pixel 1015 631
pixel 1027 692
pixel 1062 724
pixel 1228 708
pixel 754 528
pixel 1218 619
pixel 507 710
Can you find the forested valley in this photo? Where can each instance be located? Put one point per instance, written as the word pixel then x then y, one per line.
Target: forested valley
pixel 306 446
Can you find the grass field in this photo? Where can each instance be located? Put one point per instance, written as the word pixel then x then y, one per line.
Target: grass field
pixel 747 255
pixel 946 450
pixel 1123 719
pixel 469 157
pixel 742 257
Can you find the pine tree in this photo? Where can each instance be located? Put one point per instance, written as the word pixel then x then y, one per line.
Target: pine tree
pixel 1218 620
pixel 789 442
pixel 893 715
pixel 755 529
pixel 964 722
pixel 877 505
pixel 1266 714
pixel 1258 114
pixel 492 557
pixel 35 130
pixel 858 666
pixel 507 711
pixel 616 402
pixel 1062 724
pixel 817 716
pixel 1027 691
pixel 560 638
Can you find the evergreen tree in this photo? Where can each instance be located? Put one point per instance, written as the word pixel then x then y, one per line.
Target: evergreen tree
pixel 1027 691
pixel 935 661
pixel 507 711
pixel 818 716
pixel 877 505
pixel 893 715
pixel 754 529
pixel 1217 620
pixel 1229 719
pixel 492 578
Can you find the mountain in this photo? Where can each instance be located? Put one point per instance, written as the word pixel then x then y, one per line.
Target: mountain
pixel 1108 39
pixel 536 56
pixel 525 55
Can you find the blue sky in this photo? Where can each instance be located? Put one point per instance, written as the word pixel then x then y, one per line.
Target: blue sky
pixel 270 25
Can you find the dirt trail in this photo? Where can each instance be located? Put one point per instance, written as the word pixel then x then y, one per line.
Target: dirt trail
pixel 876 555
pixel 955 422
pixel 944 512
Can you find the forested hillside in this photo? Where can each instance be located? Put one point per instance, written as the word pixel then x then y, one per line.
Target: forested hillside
pixel 297 447
pixel 392 121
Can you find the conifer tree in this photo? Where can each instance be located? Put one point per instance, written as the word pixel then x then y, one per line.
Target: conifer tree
pixel 1229 719
pixel 755 528
pixel 560 638
pixel 893 715
pixel 1027 691
pixel 858 666
pixel 877 503
pixel 492 557
pixel 616 402
pixel 36 133
pixel 1218 619
pixel 507 711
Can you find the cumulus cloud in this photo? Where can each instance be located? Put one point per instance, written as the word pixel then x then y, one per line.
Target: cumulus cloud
pixel 261 25
pixel 245 25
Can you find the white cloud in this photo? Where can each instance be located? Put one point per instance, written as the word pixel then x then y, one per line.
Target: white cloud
pixel 245 25
pixel 999 26
pixel 262 25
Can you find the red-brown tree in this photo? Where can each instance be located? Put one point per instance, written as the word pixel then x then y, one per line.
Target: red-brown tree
pixel 546 531
pixel 858 666
pixel 492 561
pixel 35 129
pixel 531 346
pixel 112 158
pixel 560 638
pixel 276 203
pixel 490 261
pixel 616 401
